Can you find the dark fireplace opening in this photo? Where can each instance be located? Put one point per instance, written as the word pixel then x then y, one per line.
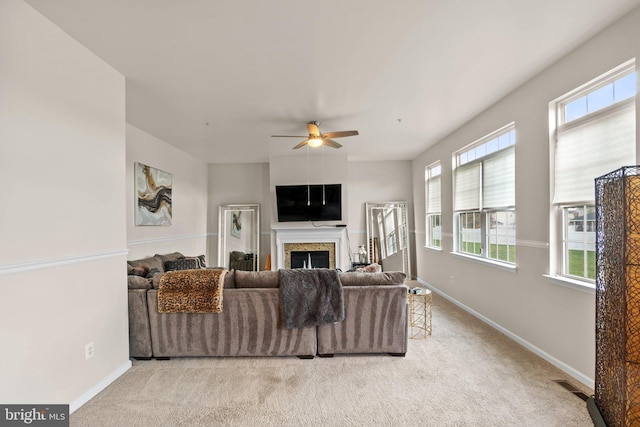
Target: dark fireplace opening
pixel 309 259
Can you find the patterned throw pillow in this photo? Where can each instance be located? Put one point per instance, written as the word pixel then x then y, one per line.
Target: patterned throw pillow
pixel 182 264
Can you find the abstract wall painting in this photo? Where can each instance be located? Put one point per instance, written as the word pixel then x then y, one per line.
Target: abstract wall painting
pixel 153 190
pixel 236 224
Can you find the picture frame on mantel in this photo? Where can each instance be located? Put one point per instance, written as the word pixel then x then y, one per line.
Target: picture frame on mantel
pixel 153 196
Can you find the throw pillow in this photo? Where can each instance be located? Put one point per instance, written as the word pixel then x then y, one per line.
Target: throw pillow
pixel 140 270
pixel 182 264
pixel 150 263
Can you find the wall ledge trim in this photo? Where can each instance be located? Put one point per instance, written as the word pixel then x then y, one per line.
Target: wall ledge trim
pixel 532 244
pixel 101 385
pixel 590 382
pixel 166 239
pixel 56 262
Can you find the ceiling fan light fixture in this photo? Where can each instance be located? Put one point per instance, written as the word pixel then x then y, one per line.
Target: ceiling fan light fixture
pixel 315 142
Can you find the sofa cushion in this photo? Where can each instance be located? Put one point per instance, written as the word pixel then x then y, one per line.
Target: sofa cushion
pixel 151 263
pixel 230 280
pixel 138 282
pixel 257 279
pixel 357 278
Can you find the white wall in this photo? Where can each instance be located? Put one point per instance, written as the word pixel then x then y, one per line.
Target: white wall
pixel 555 321
pixel 62 216
pixel 255 183
pixel 188 230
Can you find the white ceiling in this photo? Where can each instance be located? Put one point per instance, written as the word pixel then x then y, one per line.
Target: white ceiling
pixel 217 78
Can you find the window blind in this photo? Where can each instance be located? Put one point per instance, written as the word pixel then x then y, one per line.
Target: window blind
pixel 499 182
pixel 434 204
pixel 467 187
pixel 592 148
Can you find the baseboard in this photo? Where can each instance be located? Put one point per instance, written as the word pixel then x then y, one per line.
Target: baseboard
pixel 589 382
pixel 104 383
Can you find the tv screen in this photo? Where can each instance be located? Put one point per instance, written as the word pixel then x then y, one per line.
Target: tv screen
pixel 309 202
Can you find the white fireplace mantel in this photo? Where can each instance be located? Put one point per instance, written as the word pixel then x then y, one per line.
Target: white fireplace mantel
pixel 334 235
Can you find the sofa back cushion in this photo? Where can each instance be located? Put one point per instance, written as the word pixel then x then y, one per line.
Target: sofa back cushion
pixel 170 257
pixel 357 278
pixel 153 265
pixel 257 279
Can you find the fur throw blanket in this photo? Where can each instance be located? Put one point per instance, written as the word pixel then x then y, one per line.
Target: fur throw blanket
pixel 311 297
pixel 191 291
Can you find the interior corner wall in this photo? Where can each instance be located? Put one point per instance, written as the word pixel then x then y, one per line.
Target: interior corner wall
pixel 188 230
pixel 62 217
pixel 239 183
pixel 555 321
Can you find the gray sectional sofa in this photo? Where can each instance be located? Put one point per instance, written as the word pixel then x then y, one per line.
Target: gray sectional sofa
pixel 250 324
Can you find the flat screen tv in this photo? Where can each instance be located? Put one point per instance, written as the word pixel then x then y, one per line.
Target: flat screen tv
pixel 321 202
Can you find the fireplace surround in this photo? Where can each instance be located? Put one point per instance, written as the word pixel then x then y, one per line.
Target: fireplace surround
pixel 316 239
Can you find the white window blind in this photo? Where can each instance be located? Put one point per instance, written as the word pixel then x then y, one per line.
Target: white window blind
pixel 499 182
pixel 433 195
pixel 592 148
pixel 467 187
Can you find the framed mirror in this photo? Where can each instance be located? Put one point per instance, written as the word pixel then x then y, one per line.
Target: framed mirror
pixel 239 236
pixel 388 236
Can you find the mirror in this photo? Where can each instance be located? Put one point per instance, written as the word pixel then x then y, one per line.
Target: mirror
pixel 239 237
pixel 387 236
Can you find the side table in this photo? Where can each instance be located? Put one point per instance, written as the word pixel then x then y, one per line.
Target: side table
pixel 420 301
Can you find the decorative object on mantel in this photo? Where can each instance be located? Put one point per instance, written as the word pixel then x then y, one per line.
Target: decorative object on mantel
pixel 617 382
pixel 153 196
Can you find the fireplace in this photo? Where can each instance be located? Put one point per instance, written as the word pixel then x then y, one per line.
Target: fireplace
pixel 309 259
pixel 310 255
pixel 310 248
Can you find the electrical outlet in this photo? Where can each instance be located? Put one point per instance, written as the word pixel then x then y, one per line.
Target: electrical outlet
pixel 88 351
pixel 452 280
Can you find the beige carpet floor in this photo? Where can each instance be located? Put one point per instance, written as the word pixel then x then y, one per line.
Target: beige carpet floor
pixel 465 374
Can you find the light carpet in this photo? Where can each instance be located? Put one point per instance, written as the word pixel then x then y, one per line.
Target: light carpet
pixel 465 374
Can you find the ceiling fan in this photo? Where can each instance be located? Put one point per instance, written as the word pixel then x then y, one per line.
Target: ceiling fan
pixel 317 139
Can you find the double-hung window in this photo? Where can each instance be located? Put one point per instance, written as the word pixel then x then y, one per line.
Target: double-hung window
pixel 484 197
pixel 594 135
pixel 433 205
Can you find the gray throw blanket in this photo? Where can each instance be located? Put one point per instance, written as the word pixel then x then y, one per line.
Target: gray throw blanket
pixel 311 297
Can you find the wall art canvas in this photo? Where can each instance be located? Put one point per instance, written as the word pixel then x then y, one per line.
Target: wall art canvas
pixel 236 224
pixel 153 195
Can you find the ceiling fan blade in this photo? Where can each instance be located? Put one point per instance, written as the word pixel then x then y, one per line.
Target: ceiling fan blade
pixel 340 134
pixel 288 136
pixel 302 144
pixel 313 129
pixel 331 143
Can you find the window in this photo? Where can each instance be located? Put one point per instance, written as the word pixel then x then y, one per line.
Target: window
pixel 594 135
pixel 484 197
pixel 433 205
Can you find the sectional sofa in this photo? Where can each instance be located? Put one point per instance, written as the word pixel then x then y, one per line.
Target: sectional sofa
pixel 250 323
